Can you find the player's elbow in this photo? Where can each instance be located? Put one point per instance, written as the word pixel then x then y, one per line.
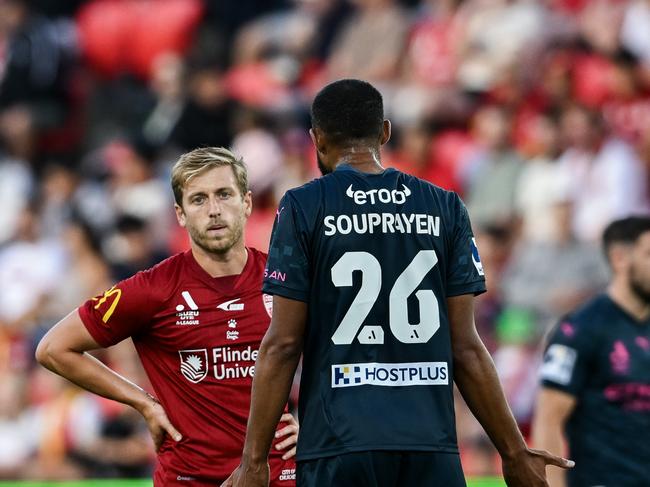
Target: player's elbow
pixel 47 353
pixel 43 352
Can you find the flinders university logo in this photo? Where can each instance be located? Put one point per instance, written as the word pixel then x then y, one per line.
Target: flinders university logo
pixel 194 364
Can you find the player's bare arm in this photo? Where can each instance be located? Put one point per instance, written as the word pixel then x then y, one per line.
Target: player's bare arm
pixel 63 351
pixel 552 409
pixel 274 370
pixel 476 378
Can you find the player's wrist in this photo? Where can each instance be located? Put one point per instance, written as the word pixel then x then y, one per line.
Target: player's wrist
pixel 513 453
pixel 143 402
pixel 254 461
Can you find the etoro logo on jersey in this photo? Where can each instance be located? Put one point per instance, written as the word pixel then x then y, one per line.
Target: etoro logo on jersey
pixel 382 195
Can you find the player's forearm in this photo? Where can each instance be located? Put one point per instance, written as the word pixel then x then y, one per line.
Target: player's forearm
pixel 548 436
pixel 89 373
pixel 274 370
pixel 477 380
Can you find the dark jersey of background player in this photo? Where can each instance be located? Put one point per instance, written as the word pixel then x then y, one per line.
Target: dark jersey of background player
pixel 601 354
pixel 596 372
pixel 374 273
pixel 375 256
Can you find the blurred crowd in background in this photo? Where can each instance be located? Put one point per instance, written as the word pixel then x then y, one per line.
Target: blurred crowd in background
pixel 536 112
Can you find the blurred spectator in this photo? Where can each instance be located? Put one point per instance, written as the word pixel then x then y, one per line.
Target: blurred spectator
pixel 132 247
pixel 33 75
pixel 86 273
pixel 16 185
pixel 18 430
pixel 370 45
pixel 540 180
pixel 206 118
pixel 30 269
pixel 494 171
pixel 607 178
pixel 133 185
pixel 572 272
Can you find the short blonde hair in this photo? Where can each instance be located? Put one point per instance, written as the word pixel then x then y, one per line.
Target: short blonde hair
pixel 198 161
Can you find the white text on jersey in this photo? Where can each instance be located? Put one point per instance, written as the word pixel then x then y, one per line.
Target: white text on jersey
pixel 378 195
pixel 382 223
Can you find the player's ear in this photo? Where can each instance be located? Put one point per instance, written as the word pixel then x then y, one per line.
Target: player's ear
pixel 180 214
pixel 318 139
pixel 619 256
pixel 385 132
pixel 248 204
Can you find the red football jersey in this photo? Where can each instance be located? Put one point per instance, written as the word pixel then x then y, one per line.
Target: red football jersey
pixel 198 338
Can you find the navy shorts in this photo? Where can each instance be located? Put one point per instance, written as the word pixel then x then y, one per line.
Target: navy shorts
pixel 383 469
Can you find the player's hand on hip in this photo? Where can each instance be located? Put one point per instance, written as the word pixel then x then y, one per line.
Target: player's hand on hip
pixel 249 476
pixel 290 435
pixel 529 468
pixel 158 423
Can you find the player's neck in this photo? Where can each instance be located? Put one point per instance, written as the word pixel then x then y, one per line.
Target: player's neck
pixel 627 299
pixel 364 159
pixel 229 263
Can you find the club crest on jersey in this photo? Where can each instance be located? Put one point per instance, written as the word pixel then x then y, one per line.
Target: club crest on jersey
pixel 187 317
pixel 476 258
pixel 194 364
pixel 382 195
pixel 268 304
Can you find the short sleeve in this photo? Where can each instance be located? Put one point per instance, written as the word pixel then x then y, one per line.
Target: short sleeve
pixel 287 267
pixel 465 272
pixel 122 311
pixel 567 358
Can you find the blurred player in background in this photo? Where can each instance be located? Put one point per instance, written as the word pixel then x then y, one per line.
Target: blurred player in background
pixel 596 373
pixel 196 320
pixel 374 274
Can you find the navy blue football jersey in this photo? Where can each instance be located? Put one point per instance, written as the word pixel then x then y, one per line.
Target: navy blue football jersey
pixel 375 256
pixel 601 355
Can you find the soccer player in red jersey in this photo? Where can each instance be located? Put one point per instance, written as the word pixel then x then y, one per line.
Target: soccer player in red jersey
pixel 197 320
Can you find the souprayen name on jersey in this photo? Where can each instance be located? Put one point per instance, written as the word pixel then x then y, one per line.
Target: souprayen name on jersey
pixel 382 223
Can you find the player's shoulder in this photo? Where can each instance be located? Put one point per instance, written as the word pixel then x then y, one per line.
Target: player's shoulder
pixel 162 278
pixel 592 313
pixel 259 257
pixel 586 322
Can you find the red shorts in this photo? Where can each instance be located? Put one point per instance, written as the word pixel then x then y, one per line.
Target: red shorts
pixel 283 474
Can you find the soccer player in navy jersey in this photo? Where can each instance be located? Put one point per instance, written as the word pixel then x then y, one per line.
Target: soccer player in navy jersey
pixel 374 274
pixel 196 320
pixel 596 373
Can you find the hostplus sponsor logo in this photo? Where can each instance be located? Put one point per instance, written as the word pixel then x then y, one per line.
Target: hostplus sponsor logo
pixel 186 316
pixel 378 195
pixel 390 374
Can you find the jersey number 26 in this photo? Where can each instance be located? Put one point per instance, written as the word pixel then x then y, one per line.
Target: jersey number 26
pixel 403 287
